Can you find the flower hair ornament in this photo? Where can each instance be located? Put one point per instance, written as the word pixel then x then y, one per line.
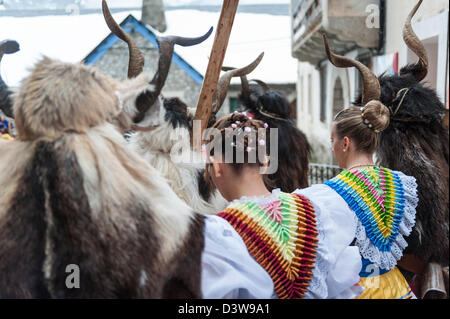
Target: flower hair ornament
pixel 240 125
pixel 367 122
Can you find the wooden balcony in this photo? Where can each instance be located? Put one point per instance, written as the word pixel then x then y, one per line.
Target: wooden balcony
pixel 344 21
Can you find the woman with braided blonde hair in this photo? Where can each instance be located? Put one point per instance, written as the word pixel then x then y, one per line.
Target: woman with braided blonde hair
pixel 272 244
pixel 383 200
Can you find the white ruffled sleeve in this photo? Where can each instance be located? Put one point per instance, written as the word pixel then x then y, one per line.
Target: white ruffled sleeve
pixel 337 267
pixel 228 269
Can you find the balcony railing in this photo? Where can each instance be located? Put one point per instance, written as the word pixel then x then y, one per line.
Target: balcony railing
pixel 319 173
pixel 344 21
pixel 306 12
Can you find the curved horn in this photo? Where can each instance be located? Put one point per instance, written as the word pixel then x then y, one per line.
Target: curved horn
pixel 413 42
pixel 136 60
pixel 166 47
pixel 6 47
pixel 224 83
pixel 262 84
pixel 245 87
pixel 372 90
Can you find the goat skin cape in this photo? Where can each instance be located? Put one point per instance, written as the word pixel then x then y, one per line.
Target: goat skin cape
pixel 74 193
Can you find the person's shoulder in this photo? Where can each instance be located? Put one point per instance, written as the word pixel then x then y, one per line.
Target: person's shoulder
pixel 319 192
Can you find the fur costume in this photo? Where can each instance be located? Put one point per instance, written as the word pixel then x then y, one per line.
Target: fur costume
pixel 73 192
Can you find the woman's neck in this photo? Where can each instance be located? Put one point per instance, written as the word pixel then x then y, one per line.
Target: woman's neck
pixel 249 183
pixel 359 160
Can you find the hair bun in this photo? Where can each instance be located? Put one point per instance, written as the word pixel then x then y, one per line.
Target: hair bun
pixel 377 115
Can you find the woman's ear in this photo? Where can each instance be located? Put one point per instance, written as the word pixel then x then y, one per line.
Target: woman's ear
pixel 264 165
pixel 347 143
pixel 217 167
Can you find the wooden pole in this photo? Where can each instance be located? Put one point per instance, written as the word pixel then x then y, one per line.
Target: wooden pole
pixel 217 56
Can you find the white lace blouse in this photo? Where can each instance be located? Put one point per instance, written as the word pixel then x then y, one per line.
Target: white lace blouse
pixel 229 271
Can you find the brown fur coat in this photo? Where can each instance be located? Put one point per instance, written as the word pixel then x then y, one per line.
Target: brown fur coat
pixel 74 193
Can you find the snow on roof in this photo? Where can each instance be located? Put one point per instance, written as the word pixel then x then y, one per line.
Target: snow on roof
pixel 72 38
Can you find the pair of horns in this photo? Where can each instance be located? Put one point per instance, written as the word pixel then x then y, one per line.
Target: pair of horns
pixel 372 89
pixel 224 82
pixel 6 47
pixel 137 60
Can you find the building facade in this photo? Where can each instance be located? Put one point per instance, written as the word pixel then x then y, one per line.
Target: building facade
pixel 111 57
pixel 369 31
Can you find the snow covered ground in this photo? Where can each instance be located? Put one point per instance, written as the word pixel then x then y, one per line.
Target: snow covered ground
pixel 71 38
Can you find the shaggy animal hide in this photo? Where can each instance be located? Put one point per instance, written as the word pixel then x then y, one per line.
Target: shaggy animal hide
pixel 5 99
pixel 417 143
pixel 73 192
pixel 6 47
pixel 161 149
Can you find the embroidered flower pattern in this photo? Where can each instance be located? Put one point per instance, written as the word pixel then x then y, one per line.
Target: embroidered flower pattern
pixel 274 211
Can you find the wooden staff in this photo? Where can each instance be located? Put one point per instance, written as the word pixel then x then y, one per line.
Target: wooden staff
pixel 217 56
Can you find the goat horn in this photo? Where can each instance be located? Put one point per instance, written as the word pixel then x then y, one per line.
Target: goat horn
pixel 6 47
pixel 166 46
pixel 136 60
pixel 245 88
pixel 413 42
pixel 224 83
pixel 372 90
pixel 262 84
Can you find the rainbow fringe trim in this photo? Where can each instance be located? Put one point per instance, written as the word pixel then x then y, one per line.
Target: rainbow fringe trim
pixel 376 196
pixel 282 237
pixel 7 137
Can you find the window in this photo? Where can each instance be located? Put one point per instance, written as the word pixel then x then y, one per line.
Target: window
pixel 302 101
pixel 323 93
pixel 310 95
pixel 338 97
pixel 432 49
pixel 234 104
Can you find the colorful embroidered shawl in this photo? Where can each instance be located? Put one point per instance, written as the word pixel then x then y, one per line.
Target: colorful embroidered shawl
pixel 376 195
pixel 6 137
pixel 282 237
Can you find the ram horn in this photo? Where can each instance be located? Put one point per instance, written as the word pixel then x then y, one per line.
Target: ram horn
pixel 415 45
pixel 245 87
pixel 262 84
pixel 224 83
pixel 166 47
pixel 136 60
pixel 372 90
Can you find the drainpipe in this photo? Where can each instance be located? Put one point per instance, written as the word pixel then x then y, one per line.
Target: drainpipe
pixel 382 31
